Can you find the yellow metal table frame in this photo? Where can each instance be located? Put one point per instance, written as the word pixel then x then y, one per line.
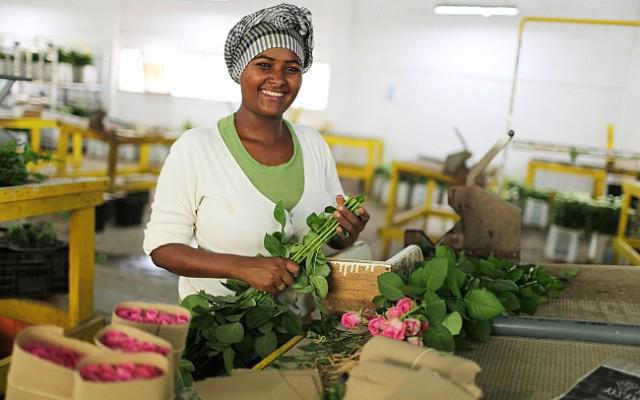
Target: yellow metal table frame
pixel 34 125
pixel 626 247
pixel 374 149
pixel 80 196
pixel 393 222
pixel 77 134
pixel 599 175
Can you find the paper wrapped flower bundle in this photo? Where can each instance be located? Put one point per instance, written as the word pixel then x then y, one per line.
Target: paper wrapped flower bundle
pixel 118 340
pixel 118 373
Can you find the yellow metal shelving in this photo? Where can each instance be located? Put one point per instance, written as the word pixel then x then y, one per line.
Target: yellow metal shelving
pixel 624 246
pixel 365 172
pixel 394 222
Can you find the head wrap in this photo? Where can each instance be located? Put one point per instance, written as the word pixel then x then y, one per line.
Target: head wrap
pixel 285 26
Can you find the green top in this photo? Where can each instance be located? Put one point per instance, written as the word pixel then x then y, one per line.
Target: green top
pixel 279 182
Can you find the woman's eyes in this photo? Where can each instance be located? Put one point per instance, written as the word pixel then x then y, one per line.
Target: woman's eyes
pixel 266 66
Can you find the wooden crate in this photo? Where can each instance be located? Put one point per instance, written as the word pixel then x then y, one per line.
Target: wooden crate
pixel 354 283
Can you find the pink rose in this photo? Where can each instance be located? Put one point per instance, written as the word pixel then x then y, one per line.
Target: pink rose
pixel 350 319
pixel 424 327
pixel 405 305
pixel 117 373
pixel 57 355
pixel 137 314
pixel 368 313
pixel 375 325
pixel 393 312
pixel 394 329
pixel 415 340
pixel 412 326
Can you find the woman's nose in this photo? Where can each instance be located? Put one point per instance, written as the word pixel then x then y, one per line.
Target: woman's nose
pixel 276 76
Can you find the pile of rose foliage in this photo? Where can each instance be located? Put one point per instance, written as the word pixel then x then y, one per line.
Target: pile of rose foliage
pixel 449 299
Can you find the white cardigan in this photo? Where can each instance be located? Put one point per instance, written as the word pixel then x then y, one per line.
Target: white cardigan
pixel 203 194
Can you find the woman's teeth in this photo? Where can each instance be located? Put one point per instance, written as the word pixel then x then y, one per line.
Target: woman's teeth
pixel 270 93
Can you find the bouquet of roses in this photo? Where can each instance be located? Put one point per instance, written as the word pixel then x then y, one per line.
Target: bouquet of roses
pixel 401 321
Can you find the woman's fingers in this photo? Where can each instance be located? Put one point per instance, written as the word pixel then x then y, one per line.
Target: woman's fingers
pixel 351 223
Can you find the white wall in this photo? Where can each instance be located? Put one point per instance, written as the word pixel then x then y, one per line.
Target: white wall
pixel 399 72
pixel 418 74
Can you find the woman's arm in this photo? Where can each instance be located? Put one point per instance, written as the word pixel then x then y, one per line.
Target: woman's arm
pixel 264 273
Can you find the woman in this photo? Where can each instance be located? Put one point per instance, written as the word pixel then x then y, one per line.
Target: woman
pixel 220 186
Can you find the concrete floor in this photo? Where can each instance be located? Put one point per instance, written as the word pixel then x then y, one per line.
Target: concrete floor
pixel 123 272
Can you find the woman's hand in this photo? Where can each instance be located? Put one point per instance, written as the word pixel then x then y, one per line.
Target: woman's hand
pixel 350 224
pixel 269 274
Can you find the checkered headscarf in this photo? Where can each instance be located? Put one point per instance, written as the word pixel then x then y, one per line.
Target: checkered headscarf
pixel 285 26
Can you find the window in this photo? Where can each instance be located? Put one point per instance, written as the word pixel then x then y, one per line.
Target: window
pixel 204 76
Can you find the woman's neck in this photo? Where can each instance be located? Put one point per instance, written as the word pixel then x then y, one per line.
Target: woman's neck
pixel 254 127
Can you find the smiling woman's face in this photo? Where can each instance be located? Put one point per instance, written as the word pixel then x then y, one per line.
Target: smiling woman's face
pixel 270 82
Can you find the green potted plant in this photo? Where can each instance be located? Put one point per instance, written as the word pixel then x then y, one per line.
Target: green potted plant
pixel 79 61
pixel 33 261
pixel 570 217
pixel 536 206
pixel 605 215
pixel 65 67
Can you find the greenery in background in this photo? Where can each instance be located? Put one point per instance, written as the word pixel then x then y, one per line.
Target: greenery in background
pixel 230 331
pixel 63 56
pixel 80 59
pixel 571 210
pixel 383 171
pixel 605 215
pixel 14 160
pixel 459 296
pixel 31 235
pixel 517 193
pixel 74 57
pixel 76 109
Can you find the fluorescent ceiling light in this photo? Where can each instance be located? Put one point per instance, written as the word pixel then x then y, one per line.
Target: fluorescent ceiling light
pixel 485 11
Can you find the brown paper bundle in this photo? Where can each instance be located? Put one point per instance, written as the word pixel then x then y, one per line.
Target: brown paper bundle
pixel 267 385
pixel 159 388
pixel 31 377
pixel 456 369
pixel 174 334
pixel 372 380
pixel 143 337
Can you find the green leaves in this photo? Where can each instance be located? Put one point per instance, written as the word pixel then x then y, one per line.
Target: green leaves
pixel 266 344
pixel 478 330
pixel 436 311
pixel 291 323
pixel 439 338
pixel 14 161
pixel 193 300
pixel 274 246
pixel 279 214
pixel 321 286
pixel 227 356
pixel 389 284
pixel 432 274
pixel 569 273
pixel 453 322
pixel 230 333
pixel 482 304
